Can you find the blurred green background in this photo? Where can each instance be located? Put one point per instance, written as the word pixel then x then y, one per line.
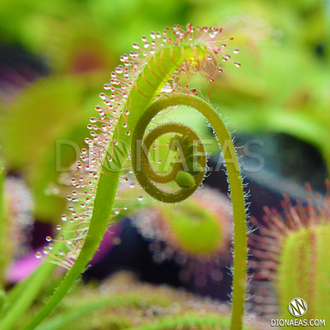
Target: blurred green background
pixel 56 55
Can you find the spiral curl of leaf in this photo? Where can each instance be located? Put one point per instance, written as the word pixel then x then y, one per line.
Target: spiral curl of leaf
pixel 187 171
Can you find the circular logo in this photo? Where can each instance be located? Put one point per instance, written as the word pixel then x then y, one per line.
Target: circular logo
pixel 297 307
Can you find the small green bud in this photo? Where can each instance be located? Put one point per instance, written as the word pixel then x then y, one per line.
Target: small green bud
pixel 185 180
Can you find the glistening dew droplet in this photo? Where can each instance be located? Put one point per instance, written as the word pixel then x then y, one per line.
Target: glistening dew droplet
pixel 38 255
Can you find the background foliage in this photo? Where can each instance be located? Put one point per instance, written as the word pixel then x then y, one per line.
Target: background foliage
pixel 54 56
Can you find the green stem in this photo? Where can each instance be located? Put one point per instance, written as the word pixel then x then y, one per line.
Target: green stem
pixel 23 294
pixel 151 84
pixel 147 86
pixel 239 216
pixel 28 290
pixel 2 223
pixel 92 241
pixel 236 189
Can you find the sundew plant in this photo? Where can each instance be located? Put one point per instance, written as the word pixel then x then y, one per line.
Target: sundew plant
pixel 152 79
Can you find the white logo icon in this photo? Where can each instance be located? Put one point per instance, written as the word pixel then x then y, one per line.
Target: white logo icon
pixel 297 307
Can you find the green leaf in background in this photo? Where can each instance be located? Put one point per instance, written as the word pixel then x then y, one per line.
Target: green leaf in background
pixel 4 229
pixel 48 112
